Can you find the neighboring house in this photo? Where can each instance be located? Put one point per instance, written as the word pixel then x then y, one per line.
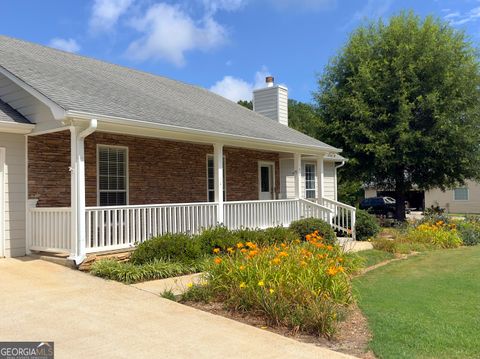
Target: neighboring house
pixel 462 200
pixel 95 156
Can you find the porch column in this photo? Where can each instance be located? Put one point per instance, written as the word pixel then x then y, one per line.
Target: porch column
pixel 77 181
pixel 320 179
pixel 297 170
pixel 218 179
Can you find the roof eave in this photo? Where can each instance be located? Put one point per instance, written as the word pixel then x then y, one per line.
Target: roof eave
pixel 204 135
pixel 15 127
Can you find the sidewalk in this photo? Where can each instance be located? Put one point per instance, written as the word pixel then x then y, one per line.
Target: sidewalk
pixel 89 317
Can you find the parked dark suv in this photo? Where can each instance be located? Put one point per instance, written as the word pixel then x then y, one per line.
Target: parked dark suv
pixel 384 206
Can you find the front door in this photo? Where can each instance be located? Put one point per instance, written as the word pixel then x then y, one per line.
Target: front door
pixel 266 181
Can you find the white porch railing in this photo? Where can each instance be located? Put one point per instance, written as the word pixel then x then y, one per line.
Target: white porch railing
pixel 117 227
pixel 50 229
pixel 343 218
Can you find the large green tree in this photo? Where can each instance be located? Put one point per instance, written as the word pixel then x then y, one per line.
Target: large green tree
pixel 402 99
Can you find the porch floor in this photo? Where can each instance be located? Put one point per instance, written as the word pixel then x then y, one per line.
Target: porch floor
pixel 92 317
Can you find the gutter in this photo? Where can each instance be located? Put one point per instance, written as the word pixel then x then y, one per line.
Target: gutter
pixel 186 130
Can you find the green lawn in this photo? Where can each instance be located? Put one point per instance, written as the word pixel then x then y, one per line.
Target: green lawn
pixel 427 306
pixel 371 257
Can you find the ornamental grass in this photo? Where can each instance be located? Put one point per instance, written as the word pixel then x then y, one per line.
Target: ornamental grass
pixel 303 285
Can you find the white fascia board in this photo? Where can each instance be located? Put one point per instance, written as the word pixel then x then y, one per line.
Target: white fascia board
pixel 120 125
pixel 57 111
pixel 15 127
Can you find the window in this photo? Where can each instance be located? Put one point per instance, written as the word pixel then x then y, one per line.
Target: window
pixel 112 176
pixel 460 194
pixel 211 179
pixel 310 191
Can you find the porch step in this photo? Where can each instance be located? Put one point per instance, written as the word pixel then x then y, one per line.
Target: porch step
pixel 121 255
pixel 57 258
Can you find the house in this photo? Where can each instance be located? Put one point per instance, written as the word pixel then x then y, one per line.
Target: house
pixel 461 200
pixel 95 157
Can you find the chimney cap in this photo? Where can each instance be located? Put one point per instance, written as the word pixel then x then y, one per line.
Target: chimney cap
pixel 269 80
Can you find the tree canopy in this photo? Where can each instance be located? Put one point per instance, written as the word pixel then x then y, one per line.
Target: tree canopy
pixel 402 99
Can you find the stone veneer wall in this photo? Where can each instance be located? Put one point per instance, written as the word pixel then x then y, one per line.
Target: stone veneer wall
pixel 160 171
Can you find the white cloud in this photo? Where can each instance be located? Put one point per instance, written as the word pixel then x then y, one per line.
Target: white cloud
pixel 234 88
pixel 303 4
pixel 169 32
pixel 373 9
pixel 457 18
pixel 105 13
pixel 212 6
pixel 69 45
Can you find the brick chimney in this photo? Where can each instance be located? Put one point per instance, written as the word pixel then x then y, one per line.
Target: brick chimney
pixel 272 101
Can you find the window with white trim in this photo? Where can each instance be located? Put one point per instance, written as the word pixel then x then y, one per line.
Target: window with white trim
pixel 460 194
pixel 211 179
pixel 112 175
pixel 310 190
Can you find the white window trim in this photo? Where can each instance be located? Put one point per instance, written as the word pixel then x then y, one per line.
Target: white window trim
pixel 210 155
pixel 314 179
pixel 127 174
pixel 461 200
pixel 266 163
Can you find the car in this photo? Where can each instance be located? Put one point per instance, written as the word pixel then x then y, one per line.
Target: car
pixel 383 206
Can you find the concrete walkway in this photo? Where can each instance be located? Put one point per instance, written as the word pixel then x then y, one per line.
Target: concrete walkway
pixel 89 317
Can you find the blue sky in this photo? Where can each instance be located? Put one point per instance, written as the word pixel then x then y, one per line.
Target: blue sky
pixel 228 46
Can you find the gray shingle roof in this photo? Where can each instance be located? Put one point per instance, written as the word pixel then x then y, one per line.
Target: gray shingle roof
pixel 78 83
pixel 8 114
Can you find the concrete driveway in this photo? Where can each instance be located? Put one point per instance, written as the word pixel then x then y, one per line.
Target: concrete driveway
pixel 90 317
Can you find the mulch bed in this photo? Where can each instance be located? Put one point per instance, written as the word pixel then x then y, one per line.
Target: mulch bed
pixel 352 336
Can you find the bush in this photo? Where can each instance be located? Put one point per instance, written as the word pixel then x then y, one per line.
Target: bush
pixel 215 237
pixel 267 236
pixel 303 227
pixel 440 235
pixel 131 273
pixel 469 232
pixel 302 285
pixel 176 247
pixel 366 226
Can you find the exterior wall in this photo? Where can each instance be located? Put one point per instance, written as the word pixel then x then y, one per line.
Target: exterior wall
pixel 14 186
pixel 329 188
pixel 370 192
pixel 446 200
pixel 287 188
pixel 159 171
pixel 48 169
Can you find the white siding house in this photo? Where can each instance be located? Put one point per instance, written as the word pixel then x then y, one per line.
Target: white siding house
pixel 461 200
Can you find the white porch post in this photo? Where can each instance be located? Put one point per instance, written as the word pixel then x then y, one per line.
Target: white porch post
pixel 297 168
pixel 320 179
pixel 218 179
pixel 77 170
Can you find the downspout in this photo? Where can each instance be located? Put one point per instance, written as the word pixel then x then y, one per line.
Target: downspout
pixel 78 205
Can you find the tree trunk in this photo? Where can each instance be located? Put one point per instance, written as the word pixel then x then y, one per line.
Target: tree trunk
pixel 400 205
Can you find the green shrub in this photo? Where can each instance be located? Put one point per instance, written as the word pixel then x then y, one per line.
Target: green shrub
pixel 469 232
pixel 305 285
pixel 215 237
pixel 386 245
pixel 366 226
pixel 309 225
pixel 175 247
pixel 131 273
pixel 267 236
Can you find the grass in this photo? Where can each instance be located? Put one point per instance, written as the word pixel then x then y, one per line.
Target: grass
pixel 427 306
pixel 131 273
pixel 371 257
